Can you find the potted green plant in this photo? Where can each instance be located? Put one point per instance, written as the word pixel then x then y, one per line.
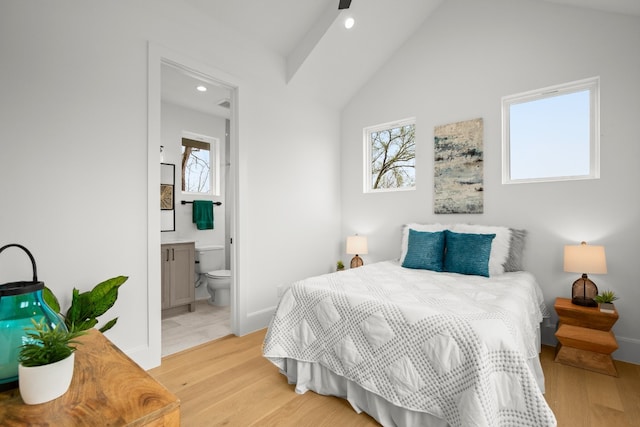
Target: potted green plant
pixel 86 307
pixel 46 362
pixel 605 300
pixel 340 265
pixel 50 351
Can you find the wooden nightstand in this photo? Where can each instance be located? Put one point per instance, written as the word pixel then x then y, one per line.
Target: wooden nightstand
pixel 585 339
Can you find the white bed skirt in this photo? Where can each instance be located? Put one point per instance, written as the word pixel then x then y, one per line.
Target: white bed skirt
pixel 315 377
pixel 312 376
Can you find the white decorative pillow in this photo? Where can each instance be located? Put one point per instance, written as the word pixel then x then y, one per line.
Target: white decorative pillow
pixel 499 245
pixel 516 251
pixel 418 227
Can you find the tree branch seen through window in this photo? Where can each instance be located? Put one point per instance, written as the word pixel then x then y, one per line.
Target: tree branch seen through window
pixel 196 168
pixel 392 154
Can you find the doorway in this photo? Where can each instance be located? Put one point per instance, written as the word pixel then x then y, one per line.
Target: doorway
pixel 224 91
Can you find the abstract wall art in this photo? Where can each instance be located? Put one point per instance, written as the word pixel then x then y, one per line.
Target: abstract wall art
pixel 458 168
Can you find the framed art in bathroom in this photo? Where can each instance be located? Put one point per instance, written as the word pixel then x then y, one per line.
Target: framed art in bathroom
pixel 167 197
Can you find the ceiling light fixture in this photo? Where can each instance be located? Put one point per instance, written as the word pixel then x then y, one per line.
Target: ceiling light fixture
pixel 201 88
pixel 349 22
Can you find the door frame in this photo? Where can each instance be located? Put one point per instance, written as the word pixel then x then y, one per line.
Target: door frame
pixel 157 55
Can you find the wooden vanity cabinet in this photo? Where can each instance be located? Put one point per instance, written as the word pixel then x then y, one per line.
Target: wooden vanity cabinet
pixel 178 275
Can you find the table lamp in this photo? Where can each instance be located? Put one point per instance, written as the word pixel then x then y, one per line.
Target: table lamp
pixel 357 245
pixel 584 259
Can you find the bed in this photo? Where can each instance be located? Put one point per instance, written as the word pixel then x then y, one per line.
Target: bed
pixel 421 343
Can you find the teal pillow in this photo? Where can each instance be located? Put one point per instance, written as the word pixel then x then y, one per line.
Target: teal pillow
pixel 425 250
pixel 467 253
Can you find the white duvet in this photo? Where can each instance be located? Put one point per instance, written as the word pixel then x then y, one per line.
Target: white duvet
pixel 450 345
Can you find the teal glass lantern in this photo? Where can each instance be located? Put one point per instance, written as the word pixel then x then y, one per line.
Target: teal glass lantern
pixel 20 302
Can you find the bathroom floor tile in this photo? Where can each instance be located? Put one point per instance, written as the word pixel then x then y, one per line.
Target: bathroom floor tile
pixel 187 330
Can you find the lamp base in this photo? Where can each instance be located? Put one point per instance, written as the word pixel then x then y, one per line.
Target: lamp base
pixel 584 301
pixel 583 291
pixel 356 261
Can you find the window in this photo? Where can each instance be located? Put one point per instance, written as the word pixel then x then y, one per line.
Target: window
pixel 200 174
pixel 552 134
pixel 390 154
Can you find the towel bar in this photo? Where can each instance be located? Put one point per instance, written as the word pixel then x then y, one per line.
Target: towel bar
pixel 184 202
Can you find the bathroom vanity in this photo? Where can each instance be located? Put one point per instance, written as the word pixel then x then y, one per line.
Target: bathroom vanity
pixel 178 275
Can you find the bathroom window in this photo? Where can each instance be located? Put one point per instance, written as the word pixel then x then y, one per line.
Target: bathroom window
pixel 199 163
pixel 390 155
pixel 552 134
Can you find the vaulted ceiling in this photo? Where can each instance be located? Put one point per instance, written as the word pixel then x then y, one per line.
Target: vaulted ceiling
pixel 324 58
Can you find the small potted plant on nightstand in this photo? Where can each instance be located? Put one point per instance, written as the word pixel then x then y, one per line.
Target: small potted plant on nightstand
pixel 339 266
pixel 46 362
pixel 605 300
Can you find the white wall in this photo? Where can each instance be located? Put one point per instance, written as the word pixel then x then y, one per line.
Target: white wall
pixel 457 67
pixel 73 168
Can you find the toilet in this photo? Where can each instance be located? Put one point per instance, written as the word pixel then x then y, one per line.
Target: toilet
pixel 210 267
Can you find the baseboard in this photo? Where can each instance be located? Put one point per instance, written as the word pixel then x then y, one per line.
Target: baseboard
pixel 258 320
pixel 547 335
pixel 144 357
pixel 628 350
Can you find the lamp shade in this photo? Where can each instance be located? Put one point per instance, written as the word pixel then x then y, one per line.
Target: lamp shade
pixel 357 245
pixel 585 258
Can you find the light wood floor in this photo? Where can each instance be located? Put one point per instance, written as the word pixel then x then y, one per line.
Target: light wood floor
pixel 228 382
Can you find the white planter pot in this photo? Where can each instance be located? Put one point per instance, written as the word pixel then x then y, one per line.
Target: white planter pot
pixel 39 384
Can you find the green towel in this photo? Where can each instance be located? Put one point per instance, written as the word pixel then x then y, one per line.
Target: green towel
pixel 203 214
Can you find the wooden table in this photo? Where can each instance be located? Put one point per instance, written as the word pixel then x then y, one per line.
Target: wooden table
pixel 108 389
pixel 585 339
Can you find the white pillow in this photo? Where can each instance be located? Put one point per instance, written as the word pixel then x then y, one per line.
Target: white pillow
pixel 418 227
pixel 516 250
pixel 499 245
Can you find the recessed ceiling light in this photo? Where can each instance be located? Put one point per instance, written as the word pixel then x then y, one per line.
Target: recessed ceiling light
pixel 349 22
pixel 202 88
